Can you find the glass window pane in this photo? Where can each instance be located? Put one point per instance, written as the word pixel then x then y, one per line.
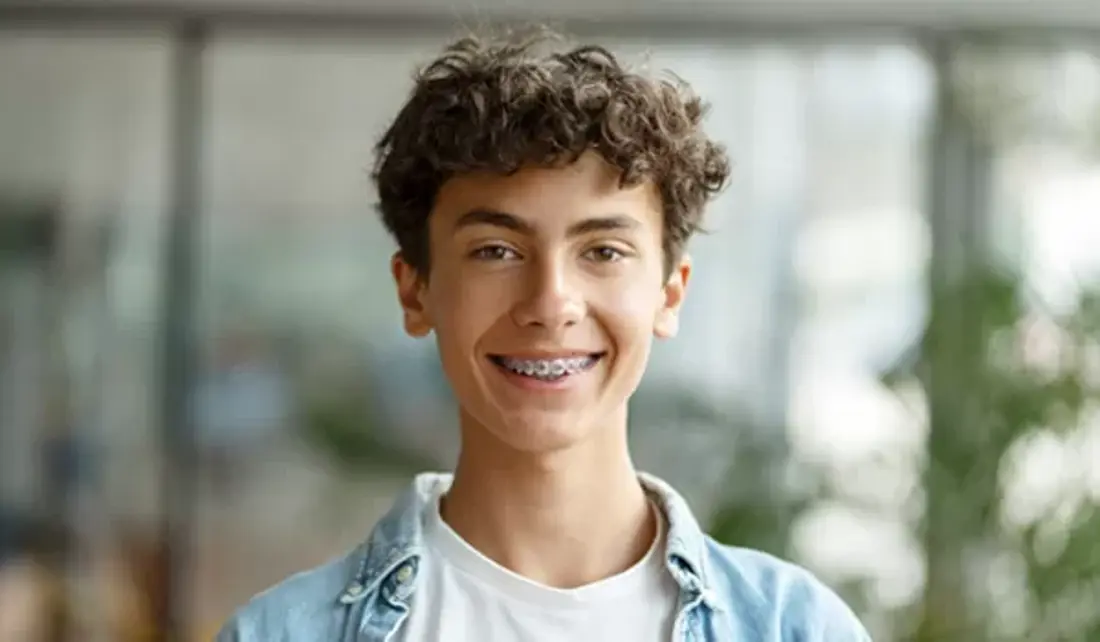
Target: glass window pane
pixel 83 178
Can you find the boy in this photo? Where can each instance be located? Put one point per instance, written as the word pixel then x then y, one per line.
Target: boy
pixel 541 203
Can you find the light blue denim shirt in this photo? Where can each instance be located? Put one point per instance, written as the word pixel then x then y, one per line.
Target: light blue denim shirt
pixel 726 594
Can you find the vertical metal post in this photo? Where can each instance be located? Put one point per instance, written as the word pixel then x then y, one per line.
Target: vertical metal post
pixel 943 609
pixel 958 203
pixel 178 324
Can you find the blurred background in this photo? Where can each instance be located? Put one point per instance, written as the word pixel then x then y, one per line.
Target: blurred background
pixel 889 368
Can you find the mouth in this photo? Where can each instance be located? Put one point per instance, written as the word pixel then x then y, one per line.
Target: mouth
pixel 550 369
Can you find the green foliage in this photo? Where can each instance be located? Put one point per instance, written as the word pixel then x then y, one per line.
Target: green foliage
pixel 997 370
pixel 762 525
pixel 759 508
pixel 343 428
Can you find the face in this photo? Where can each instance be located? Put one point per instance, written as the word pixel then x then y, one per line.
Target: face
pixel 545 290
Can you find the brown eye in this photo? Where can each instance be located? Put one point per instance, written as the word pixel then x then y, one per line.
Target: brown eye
pixel 494 253
pixel 605 254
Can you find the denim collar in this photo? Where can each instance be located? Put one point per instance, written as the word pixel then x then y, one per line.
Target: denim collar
pixel 398 538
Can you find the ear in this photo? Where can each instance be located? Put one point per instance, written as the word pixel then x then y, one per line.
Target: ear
pixel 667 322
pixel 411 294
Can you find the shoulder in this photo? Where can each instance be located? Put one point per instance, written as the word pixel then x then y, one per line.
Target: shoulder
pixel 777 600
pixel 305 606
pixel 313 606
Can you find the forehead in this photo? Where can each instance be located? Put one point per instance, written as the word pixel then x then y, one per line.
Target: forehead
pixel 550 197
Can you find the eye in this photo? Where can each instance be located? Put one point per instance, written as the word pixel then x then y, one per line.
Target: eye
pixel 605 254
pixel 494 253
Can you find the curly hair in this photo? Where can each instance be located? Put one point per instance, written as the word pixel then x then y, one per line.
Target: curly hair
pixel 501 105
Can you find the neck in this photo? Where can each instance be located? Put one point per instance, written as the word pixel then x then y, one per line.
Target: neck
pixel 564 519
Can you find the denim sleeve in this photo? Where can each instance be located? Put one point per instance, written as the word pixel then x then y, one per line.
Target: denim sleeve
pixel 819 613
pixel 849 632
pixel 841 624
pixel 232 631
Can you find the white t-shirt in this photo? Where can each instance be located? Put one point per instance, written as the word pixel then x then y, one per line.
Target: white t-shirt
pixel 463 596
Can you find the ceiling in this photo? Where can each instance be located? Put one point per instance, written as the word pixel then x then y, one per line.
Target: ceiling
pixel 762 15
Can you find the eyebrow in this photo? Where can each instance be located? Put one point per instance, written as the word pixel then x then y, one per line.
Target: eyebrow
pixel 516 224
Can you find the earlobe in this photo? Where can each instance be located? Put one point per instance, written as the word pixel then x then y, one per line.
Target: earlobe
pixel 667 322
pixel 667 325
pixel 410 294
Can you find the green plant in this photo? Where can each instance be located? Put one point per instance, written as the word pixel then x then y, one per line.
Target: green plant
pixel 999 372
pixel 344 428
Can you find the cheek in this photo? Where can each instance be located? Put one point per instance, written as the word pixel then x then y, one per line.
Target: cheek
pixel 629 313
pixel 455 336
pixel 463 311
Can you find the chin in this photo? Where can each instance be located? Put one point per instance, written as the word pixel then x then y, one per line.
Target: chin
pixel 537 433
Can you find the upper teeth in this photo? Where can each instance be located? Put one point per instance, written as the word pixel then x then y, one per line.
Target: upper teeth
pixel 547 367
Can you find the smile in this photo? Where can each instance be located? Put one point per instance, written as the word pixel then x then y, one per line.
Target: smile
pixel 547 369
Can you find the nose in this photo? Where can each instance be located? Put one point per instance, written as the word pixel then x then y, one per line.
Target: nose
pixel 552 299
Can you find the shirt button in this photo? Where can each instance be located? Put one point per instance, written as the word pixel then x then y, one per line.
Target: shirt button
pixel 404 573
